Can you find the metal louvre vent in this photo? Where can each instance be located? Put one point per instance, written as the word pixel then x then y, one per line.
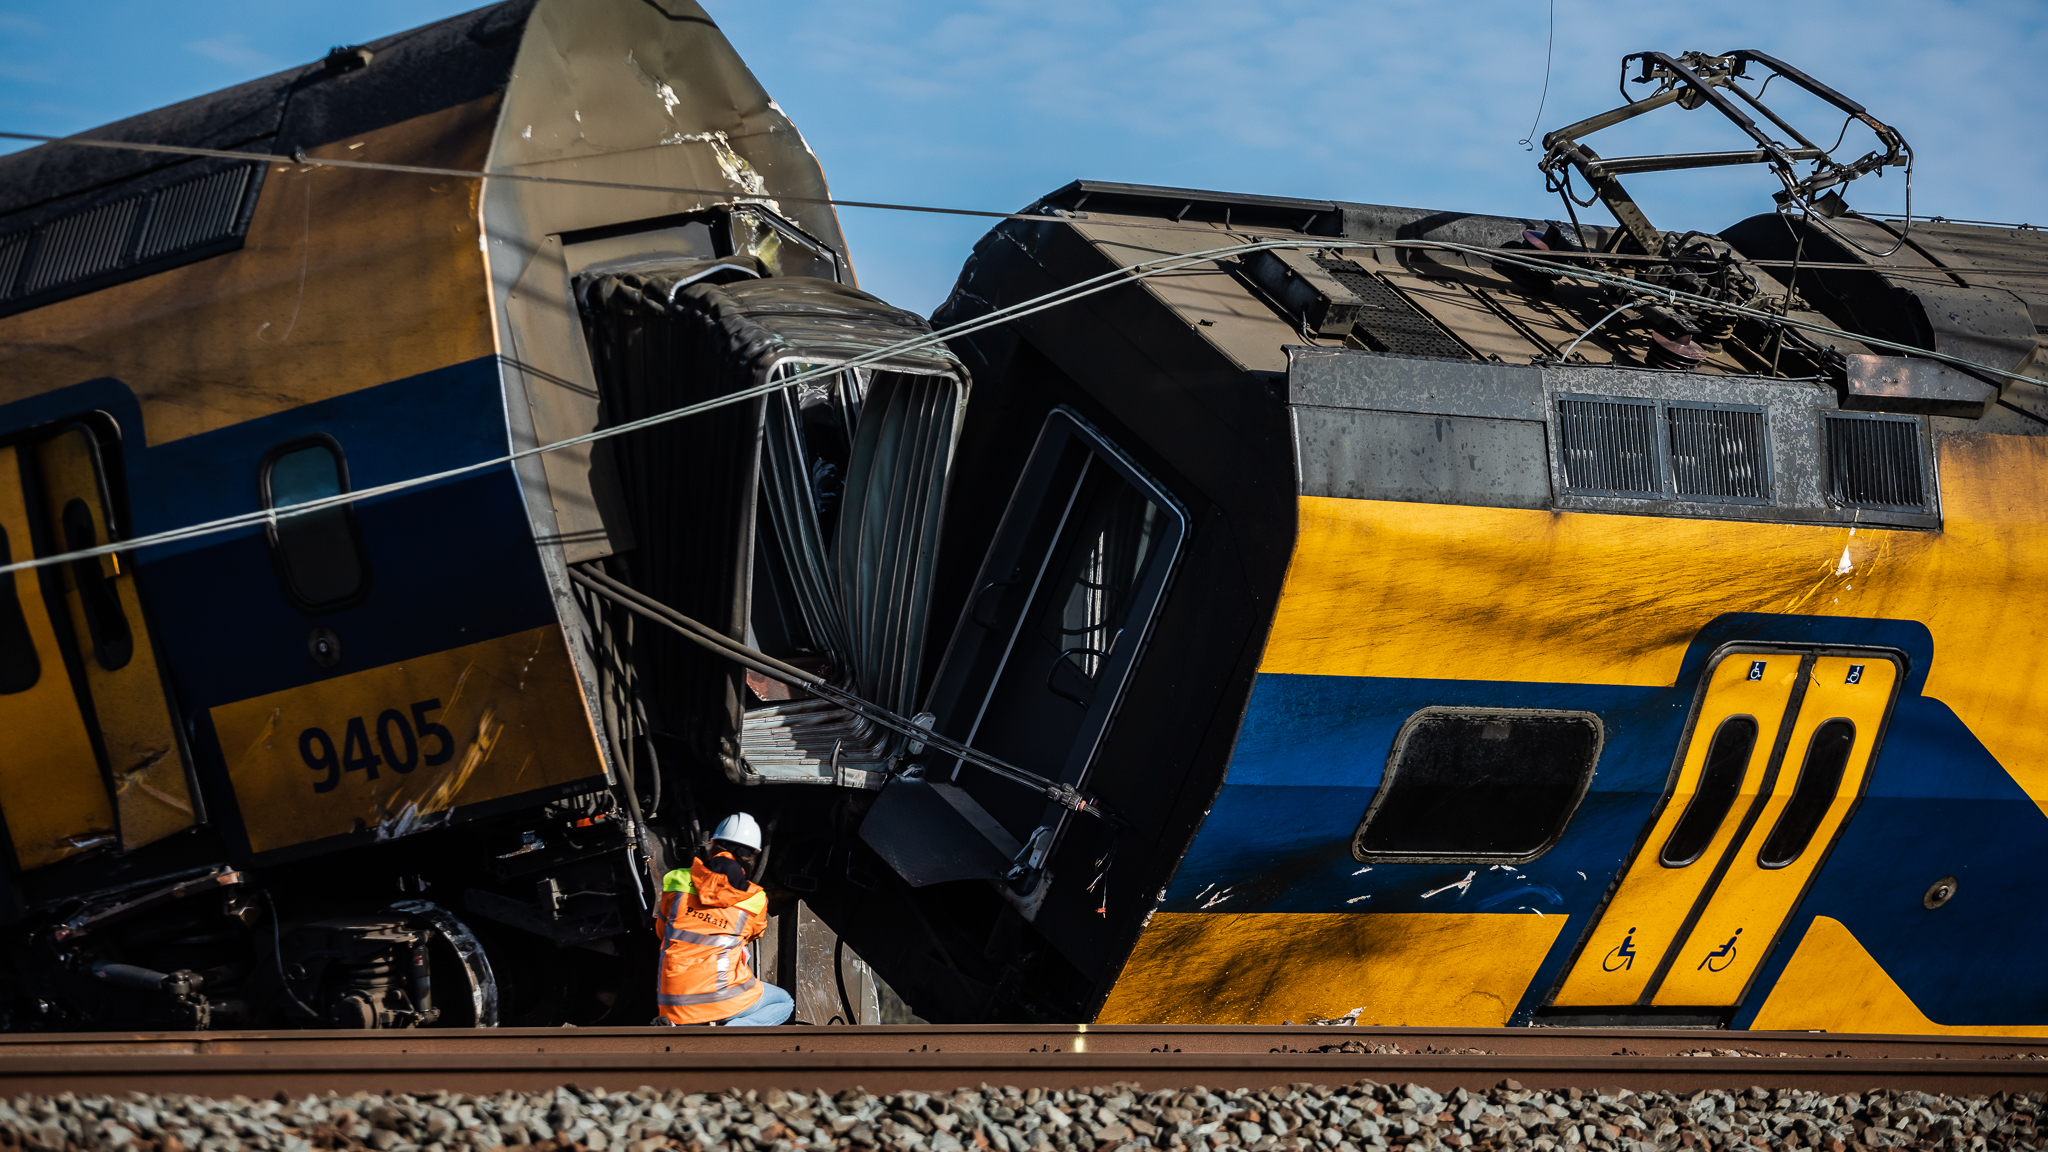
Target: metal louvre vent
pixel 195 212
pixel 1388 322
pixel 1875 462
pixel 1610 447
pixel 1718 453
pixel 136 235
pixel 82 245
pixel 12 249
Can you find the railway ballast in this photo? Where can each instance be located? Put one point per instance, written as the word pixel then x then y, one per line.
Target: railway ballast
pixel 1347 1118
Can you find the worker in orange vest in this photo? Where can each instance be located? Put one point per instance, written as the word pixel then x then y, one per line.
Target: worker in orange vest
pixel 708 915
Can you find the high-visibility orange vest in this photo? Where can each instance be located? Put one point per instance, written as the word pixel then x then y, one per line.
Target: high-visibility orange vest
pixel 706 922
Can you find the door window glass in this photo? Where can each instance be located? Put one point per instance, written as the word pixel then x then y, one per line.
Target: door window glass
pixel 1065 597
pixel 318 554
pixel 1091 600
pixel 1057 663
pixel 1720 782
pixel 1488 785
pixel 113 645
pixel 1820 777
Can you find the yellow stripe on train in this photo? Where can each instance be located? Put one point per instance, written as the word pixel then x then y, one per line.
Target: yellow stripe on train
pixel 1401 968
pixel 1426 591
pixel 389 747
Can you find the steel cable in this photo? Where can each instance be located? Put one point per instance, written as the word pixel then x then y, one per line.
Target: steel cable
pixel 1114 278
pixel 633 600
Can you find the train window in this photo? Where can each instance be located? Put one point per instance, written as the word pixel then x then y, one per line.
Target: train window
pixel 20 667
pixel 112 643
pixel 319 555
pixel 1720 783
pixel 1067 594
pixel 1479 785
pixel 1820 777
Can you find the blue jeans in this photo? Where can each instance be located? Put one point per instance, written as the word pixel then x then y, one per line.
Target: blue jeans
pixel 774 1007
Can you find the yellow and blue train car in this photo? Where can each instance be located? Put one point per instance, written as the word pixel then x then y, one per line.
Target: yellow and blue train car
pixel 244 775
pixel 1449 663
pixel 1441 635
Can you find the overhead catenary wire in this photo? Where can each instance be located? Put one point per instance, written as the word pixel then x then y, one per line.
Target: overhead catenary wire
pixel 1117 277
pixel 1549 45
pixel 300 157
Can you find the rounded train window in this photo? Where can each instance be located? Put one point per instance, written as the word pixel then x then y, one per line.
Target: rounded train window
pixel 318 554
pixel 1820 779
pixel 1479 785
pixel 1719 784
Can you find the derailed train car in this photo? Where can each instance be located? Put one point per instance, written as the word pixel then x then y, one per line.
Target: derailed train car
pixel 1464 643
pixel 1369 615
pixel 375 765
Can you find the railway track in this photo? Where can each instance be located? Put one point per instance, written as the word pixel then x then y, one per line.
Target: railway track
pixel 892 1059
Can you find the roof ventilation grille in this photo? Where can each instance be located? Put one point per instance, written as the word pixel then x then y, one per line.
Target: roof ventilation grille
pixel 1387 322
pixel 1875 462
pixel 1718 453
pixel 1610 447
pixel 12 249
pixel 195 212
pixel 83 245
pixel 177 221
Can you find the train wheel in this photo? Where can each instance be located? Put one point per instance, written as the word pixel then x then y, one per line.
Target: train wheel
pixel 465 989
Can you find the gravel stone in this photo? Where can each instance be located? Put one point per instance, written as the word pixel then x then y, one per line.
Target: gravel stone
pixel 1362 1117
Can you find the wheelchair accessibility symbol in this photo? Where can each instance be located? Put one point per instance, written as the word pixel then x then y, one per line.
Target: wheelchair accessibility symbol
pixel 1725 954
pixel 1621 956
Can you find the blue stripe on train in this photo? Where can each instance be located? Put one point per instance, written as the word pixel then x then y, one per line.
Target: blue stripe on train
pixel 451 563
pixel 411 427
pixel 1312 748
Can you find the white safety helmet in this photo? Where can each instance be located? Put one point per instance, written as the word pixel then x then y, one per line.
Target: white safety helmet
pixel 739 828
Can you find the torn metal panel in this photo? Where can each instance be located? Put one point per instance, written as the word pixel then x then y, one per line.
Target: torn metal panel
pixel 1360 455
pixel 1305 288
pixel 853 531
pixel 1903 384
pixel 1332 378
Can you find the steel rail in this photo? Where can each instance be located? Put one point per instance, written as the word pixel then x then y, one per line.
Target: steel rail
pixel 886 1059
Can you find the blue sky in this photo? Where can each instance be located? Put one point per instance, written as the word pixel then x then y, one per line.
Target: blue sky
pixel 990 103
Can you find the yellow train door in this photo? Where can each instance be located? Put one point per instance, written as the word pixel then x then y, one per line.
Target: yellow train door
pixel 89 749
pixel 1778 752
pixel 145 759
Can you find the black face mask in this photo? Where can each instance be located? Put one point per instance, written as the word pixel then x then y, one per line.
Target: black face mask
pixel 727 867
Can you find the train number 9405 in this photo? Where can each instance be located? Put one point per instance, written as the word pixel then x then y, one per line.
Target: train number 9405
pixel 403 743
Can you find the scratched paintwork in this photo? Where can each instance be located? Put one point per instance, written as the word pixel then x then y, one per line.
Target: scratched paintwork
pixel 384 265
pixel 1499 594
pixel 511 705
pixel 1419 968
pixel 1389 607
pixel 51 790
pixel 145 759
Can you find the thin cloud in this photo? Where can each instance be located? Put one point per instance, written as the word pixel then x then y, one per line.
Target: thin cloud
pixel 233 51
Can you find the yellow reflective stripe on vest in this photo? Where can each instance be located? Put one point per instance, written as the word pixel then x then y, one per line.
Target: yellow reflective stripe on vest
pixel 671 933
pixel 678 881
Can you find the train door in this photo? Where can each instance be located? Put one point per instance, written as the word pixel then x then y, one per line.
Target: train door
pixel 89 745
pixel 1780 749
pixel 1067 593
